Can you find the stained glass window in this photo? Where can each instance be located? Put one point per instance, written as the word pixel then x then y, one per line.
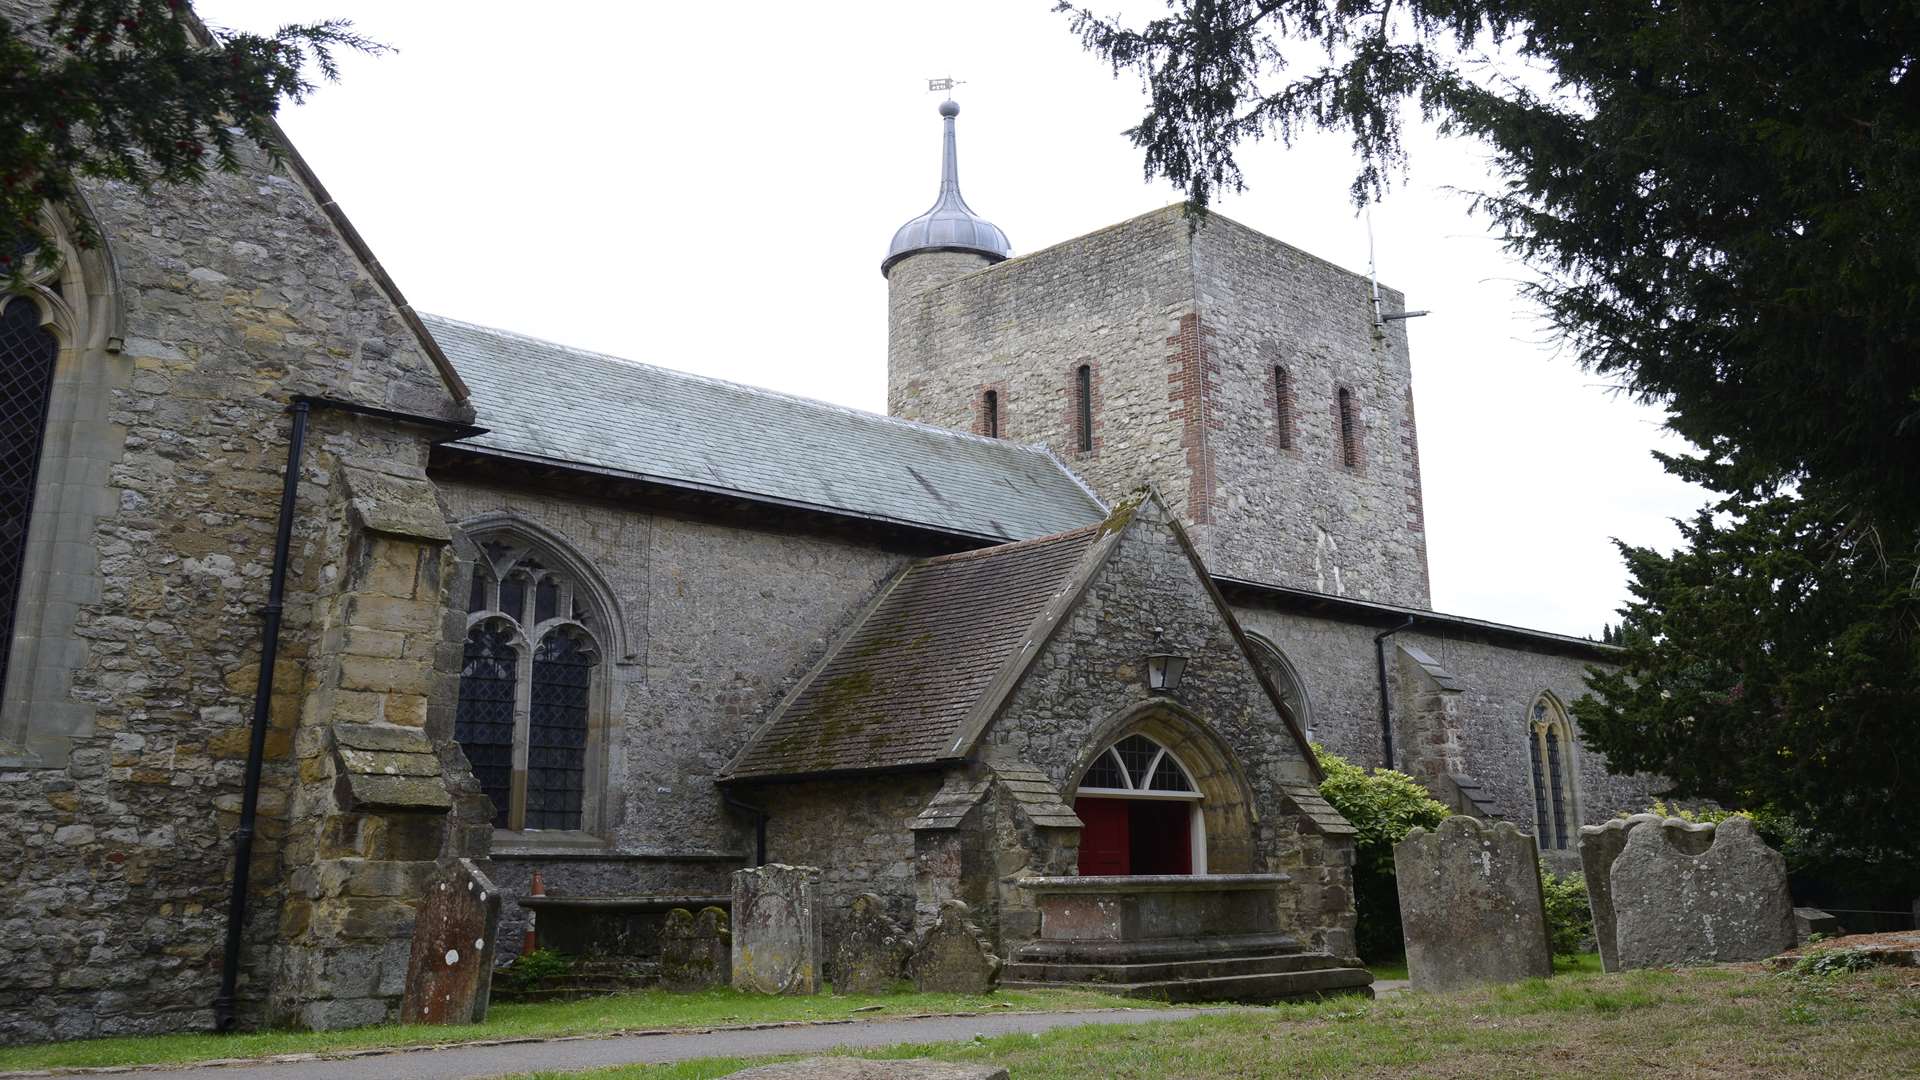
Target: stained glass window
pixel 27 354
pixel 483 721
pixel 557 732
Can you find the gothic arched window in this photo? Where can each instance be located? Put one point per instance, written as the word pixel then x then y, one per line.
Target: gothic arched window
pixel 527 728
pixel 1286 679
pixel 27 354
pixel 1550 746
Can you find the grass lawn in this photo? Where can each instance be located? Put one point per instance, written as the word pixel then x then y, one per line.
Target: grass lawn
pixel 1562 965
pixel 1717 1022
pixel 623 1012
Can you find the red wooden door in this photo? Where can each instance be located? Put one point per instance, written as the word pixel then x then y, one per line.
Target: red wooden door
pixel 1104 836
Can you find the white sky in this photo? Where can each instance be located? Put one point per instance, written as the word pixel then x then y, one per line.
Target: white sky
pixel 711 187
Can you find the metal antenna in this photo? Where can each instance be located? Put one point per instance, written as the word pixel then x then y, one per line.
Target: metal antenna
pixel 1380 318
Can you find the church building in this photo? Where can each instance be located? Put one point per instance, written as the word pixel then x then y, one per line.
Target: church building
pixel 1143 523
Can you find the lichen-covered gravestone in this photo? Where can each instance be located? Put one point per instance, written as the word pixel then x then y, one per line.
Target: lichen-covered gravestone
pixel 1728 903
pixel 872 953
pixel 777 940
pixel 450 969
pixel 1600 845
pixel 1470 905
pixel 695 950
pixel 952 957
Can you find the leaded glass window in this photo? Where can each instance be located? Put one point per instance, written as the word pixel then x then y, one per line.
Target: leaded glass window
pixel 1137 763
pixel 1550 743
pixel 483 722
pixel 27 354
pixel 557 732
pixel 527 728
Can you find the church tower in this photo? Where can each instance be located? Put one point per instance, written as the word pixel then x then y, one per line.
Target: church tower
pixel 1254 385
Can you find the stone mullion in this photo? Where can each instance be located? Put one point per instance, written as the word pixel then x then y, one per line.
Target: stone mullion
pixel 522 721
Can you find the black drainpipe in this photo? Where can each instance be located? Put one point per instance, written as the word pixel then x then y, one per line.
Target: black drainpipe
pixel 760 816
pixel 224 1015
pixel 1386 706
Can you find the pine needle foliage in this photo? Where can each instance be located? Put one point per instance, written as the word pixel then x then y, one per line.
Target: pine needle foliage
pixel 142 92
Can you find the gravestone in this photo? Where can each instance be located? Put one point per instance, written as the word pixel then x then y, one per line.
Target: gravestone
pixel 450 968
pixel 1728 903
pixel 952 957
pixel 1810 921
pixel 846 1068
pixel 777 940
pixel 1600 845
pixel 872 954
pixel 695 950
pixel 1470 905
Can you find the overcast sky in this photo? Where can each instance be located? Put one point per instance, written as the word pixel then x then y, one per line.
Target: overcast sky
pixel 711 187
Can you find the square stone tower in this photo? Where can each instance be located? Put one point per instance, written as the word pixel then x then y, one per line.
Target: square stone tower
pixel 1244 378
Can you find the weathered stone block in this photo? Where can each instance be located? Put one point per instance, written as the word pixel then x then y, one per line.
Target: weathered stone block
pixel 695 950
pixel 1470 904
pixel 1726 904
pixel 1600 845
pixel 952 957
pixel 777 936
pixel 1810 921
pixel 450 967
pixel 872 953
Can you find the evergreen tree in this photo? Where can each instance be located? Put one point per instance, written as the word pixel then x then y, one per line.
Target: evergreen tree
pixel 138 91
pixel 1721 200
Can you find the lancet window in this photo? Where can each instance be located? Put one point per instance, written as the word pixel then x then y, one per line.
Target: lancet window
pixel 1550 745
pixel 529 691
pixel 27 353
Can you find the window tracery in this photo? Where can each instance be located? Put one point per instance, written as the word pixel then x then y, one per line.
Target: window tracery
pixel 1549 745
pixel 528 686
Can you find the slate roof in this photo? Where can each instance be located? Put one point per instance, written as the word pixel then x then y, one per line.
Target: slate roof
pixel 899 689
pixel 548 402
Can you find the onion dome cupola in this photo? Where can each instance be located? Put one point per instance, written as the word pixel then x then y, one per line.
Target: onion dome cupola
pixel 950 225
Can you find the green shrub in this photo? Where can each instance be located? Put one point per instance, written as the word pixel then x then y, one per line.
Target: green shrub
pixel 1383 806
pixel 530 969
pixel 1706 815
pixel 1569 917
pixel 1825 963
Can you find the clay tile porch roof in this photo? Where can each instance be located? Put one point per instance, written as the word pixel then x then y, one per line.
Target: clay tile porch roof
pixel 904 685
pixel 549 403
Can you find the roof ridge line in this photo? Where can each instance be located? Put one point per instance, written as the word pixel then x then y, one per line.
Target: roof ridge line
pixel 1036 449
pixel 1008 547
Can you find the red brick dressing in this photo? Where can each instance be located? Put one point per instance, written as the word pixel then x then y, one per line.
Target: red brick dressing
pixel 1192 381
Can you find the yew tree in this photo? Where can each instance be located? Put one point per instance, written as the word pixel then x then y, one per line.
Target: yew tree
pixel 1720 203
pixel 138 91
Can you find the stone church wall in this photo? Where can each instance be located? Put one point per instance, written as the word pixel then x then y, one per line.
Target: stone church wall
pixel 1498 686
pixel 1110 299
pixel 719 622
pixel 120 784
pixel 1296 514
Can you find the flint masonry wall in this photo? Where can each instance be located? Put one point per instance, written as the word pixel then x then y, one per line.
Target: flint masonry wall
pixel 1499 684
pixel 120 784
pixel 719 620
pixel 1182 334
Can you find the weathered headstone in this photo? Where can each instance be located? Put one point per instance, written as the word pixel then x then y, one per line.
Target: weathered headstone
pixel 450 969
pixel 872 953
pixel 1600 845
pixel 952 957
pixel 1728 903
pixel 696 951
pixel 1470 905
pixel 777 941
pixel 846 1068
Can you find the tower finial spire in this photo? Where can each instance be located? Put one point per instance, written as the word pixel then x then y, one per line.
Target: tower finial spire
pixel 950 224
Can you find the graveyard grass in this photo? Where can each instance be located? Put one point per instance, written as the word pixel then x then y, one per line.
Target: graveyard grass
pixel 1722 1022
pixel 642 1011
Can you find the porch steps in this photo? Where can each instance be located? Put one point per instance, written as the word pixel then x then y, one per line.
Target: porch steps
pixel 1248 979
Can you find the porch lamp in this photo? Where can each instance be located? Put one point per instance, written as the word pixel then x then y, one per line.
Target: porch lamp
pixel 1164 671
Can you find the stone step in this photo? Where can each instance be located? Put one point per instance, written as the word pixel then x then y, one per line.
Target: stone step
pixel 1066 971
pixel 1157 950
pixel 1256 989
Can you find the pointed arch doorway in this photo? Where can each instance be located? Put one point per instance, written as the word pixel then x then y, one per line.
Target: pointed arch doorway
pixel 1140 813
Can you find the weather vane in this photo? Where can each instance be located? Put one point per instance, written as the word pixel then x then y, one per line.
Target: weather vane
pixel 946 85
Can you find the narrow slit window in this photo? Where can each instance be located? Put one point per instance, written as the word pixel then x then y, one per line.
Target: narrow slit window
pixel 1349 433
pixel 1282 408
pixel 1083 406
pixel 990 414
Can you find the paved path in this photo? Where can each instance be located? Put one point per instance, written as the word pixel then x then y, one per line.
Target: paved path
pixel 565 1055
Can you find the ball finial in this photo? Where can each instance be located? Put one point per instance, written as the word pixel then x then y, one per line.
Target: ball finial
pixel 949 107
